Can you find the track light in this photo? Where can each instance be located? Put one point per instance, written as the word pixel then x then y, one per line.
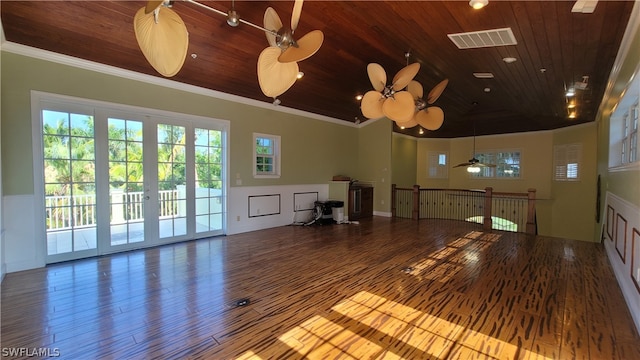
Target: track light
pixel 478 4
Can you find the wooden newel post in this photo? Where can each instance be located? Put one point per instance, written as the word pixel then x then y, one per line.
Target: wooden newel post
pixel 531 212
pixel 487 223
pixel 393 200
pixel 415 215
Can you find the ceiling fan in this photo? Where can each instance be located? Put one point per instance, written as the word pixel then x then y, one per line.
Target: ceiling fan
pixel 277 64
pixel 406 107
pixel 429 117
pixel 389 100
pixel 474 165
pixel 163 39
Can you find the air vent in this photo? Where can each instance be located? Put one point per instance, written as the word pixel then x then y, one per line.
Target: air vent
pixel 485 75
pixel 480 39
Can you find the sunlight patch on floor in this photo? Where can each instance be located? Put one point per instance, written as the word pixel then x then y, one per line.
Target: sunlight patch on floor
pixel 390 329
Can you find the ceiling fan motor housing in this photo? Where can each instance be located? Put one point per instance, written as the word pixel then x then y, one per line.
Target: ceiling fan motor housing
pixel 284 39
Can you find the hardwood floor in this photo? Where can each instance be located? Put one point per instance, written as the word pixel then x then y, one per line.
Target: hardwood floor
pixel 385 288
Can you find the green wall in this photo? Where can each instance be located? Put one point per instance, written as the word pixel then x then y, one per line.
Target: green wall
pixel 574 202
pixel 374 154
pixel 623 183
pixel 312 150
pixel 404 152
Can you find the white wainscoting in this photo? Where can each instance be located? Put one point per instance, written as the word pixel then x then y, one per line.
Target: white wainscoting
pixel 239 219
pixel 621 234
pixel 22 250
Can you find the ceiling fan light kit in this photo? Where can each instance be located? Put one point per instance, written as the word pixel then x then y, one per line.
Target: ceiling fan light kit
pixel 163 38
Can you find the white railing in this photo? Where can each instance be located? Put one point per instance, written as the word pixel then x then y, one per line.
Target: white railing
pixel 66 212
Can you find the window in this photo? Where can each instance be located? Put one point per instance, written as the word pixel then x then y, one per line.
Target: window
pixel 633 135
pixel 623 129
pixel 437 164
pixel 507 164
pixel 566 162
pixel 267 156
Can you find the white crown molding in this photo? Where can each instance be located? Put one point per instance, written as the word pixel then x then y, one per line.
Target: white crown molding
pixel 153 80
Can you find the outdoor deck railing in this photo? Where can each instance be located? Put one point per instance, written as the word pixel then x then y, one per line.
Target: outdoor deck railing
pixel 495 210
pixel 65 212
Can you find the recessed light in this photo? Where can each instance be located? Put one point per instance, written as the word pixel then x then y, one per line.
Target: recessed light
pixel 487 89
pixel 300 75
pixel 358 97
pixel 509 60
pixel 478 4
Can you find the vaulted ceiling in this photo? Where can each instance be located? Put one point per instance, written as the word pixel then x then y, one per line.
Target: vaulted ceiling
pixel 556 48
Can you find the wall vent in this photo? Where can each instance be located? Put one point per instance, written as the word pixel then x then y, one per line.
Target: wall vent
pixel 486 38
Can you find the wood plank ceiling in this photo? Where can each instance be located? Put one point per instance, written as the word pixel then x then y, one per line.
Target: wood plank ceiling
pixel 555 48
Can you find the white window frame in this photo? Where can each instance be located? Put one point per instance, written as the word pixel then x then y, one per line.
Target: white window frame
pixel 633 133
pixel 567 162
pixel 437 164
pixel 275 156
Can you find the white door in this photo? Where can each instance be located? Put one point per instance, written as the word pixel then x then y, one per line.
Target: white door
pixel 119 180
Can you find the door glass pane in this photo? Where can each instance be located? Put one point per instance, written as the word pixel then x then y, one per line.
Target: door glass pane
pixel 172 173
pixel 69 180
pixel 209 200
pixel 126 188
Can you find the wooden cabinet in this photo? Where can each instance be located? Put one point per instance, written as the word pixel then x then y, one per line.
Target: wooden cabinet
pixel 360 202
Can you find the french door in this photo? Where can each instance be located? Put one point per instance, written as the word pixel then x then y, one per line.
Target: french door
pixel 115 180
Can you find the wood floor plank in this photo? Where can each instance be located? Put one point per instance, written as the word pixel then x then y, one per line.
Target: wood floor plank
pixel 382 289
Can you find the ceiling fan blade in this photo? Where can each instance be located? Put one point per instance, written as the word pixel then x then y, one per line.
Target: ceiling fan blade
pixel 463 164
pixel 415 88
pixel 400 107
pixel 295 15
pixel 409 124
pixel 437 90
pixel 152 5
pixel 275 77
pixel 307 46
pixel 371 105
pixel 164 44
pixel 430 118
pixel 485 165
pixel 377 76
pixel 405 75
pixel 271 22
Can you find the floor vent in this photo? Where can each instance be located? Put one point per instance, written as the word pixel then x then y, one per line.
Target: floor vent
pixel 242 302
pixel 487 38
pixel 408 269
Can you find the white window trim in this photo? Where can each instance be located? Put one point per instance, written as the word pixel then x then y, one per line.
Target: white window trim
pixel 433 163
pixel 277 159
